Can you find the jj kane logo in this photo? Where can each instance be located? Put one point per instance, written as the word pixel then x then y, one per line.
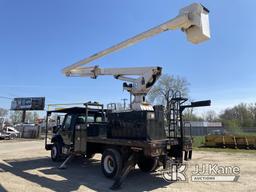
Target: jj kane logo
pixel 215 173
pixel 175 172
pixel 201 173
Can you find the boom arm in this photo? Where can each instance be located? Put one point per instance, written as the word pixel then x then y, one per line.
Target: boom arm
pixel 138 87
pixel 193 20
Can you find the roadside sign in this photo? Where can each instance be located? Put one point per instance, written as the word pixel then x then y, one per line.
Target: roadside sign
pixel 28 103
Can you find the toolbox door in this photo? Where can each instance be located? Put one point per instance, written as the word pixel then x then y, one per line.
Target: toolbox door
pixel 80 139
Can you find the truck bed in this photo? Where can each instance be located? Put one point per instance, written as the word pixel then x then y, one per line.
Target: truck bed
pixel 151 148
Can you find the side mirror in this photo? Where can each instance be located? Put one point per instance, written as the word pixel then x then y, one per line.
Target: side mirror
pixel 55 128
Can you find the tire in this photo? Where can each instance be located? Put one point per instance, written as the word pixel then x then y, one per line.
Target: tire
pixel 56 152
pixel 111 163
pixel 148 164
pixel 12 136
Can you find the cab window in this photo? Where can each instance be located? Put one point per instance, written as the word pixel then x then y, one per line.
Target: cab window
pixel 80 119
pixel 98 119
pixel 67 123
pixel 92 118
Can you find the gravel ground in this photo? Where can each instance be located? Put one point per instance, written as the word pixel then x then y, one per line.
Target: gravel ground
pixel 26 166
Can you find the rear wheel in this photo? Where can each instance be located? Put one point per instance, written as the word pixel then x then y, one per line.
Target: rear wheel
pixel 148 164
pixel 56 152
pixel 111 163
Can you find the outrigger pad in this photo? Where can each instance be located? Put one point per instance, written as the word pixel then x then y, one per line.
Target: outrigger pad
pixel 130 164
pixel 63 165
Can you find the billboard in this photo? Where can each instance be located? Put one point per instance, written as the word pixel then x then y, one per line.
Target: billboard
pixel 28 103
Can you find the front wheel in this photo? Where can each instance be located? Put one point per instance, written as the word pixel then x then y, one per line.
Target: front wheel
pixel 111 163
pixel 56 152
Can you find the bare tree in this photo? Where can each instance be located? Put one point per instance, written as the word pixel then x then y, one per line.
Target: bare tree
pixel 167 85
pixel 210 116
pixel 31 116
pixel 3 112
pixel 163 91
pixel 16 116
pixel 189 115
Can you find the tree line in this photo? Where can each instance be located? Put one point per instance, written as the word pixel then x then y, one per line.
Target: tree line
pixel 237 117
pixel 240 116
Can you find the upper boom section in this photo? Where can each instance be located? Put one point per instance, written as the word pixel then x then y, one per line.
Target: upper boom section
pixel 95 71
pixel 193 20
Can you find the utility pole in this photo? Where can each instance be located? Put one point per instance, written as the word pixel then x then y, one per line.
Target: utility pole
pixel 124 100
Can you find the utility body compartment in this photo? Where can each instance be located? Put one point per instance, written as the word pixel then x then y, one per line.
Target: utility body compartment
pixel 137 125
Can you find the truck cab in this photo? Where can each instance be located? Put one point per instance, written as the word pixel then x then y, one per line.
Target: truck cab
pixel 70 135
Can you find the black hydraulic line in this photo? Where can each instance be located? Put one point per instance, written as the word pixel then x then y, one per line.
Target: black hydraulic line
pixel 46 130
pixel 181 135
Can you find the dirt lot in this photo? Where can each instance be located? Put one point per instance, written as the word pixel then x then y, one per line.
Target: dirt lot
pixel 26 166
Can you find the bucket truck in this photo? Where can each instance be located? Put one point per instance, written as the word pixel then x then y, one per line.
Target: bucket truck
pixel 137 136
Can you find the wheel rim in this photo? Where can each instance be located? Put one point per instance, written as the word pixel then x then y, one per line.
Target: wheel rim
pixel 109 165
pixel 54 151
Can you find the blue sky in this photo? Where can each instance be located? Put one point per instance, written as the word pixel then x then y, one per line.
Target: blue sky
pixel 39 38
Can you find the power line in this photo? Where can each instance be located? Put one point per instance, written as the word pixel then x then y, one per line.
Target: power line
pixel 3 97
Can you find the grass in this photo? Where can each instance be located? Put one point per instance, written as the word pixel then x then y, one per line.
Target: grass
pixel 245 134
pixel 198 141
pixel 226 150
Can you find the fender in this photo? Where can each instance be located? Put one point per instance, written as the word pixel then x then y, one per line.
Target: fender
pixel 57 138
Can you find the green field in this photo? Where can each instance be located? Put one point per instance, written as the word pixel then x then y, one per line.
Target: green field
pixel 198 141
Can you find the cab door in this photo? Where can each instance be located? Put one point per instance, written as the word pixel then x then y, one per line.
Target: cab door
pixel 67 130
